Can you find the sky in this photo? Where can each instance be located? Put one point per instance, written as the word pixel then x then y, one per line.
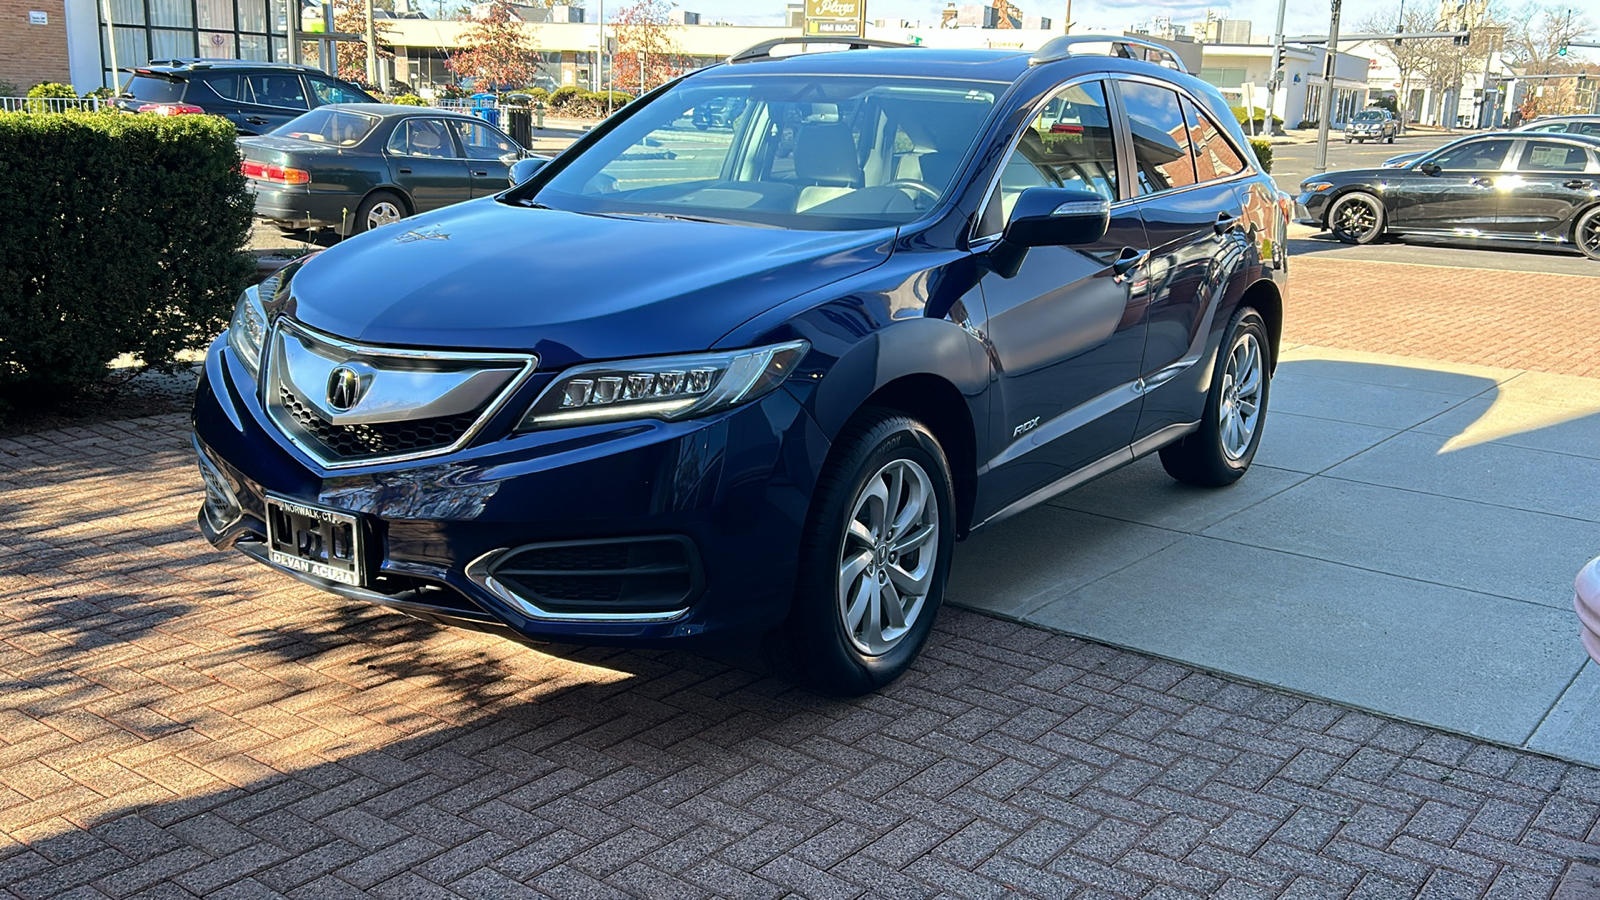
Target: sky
pixel 1303 16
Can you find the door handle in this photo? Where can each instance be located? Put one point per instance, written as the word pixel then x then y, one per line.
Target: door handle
pixel 405 170
pixel 1483 182
pixel 1576 184
pixel 1225 223
pixel 255 120
pixel 1128 260
pixel 482 174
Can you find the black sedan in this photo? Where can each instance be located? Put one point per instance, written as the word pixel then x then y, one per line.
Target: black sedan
pixel 355 166
pixel 1509 187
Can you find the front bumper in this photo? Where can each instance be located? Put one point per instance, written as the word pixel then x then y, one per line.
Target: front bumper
pixel 736 485
pixel 1311 208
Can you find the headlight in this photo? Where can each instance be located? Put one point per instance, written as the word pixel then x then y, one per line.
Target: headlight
pixel 1314 187
pixel 670 387
pixel 247 330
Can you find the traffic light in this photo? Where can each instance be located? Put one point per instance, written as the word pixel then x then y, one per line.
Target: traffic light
pixel 1397 36
pixel 1562 51
pixel 1461 40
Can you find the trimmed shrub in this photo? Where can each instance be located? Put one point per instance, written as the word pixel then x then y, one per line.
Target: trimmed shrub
pixel 1263 150
pixel 49 90
pixel 564 95
pixel 123 235
pixel 1257 114
pixel 409 100
pixel 539 94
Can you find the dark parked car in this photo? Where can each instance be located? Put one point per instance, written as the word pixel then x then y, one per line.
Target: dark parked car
pixel 255 96
pixel 1589 125
pixel 718 112
pixel 1510 187
pixel 357 166
pixel 678 388
pixel 1371 125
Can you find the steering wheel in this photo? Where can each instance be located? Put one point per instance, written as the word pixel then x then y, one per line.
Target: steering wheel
pixel 915 185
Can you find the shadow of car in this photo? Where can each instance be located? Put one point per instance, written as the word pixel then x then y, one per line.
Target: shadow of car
pixel 356 166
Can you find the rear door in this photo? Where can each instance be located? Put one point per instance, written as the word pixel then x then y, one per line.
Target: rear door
pixel 489 155
pixel 423 160
pixel 1461 196
pixel 1188 185
pixel 1552 179
pixel 1068 330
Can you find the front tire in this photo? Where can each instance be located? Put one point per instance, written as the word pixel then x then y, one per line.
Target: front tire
pixel 874 556
pixel 1221 450
pixel 1586 234
pixel 1356 218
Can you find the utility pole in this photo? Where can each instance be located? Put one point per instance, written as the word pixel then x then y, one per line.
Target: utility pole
pixel 372 48
pixel 1329 66
pixel 1277 70
pixel 292 27
pixel 1067 26
pixel 111 45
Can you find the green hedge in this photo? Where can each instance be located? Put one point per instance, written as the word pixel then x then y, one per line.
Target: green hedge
pixel 1263 151
pixel 123 234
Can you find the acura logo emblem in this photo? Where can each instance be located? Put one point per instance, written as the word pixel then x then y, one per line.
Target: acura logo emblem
pixel 344 388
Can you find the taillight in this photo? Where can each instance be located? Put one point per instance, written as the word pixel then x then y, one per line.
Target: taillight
pixel 279 174
pixel 171 109
pixel 1065 128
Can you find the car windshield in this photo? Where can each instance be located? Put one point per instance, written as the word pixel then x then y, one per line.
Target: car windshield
pixel 824 153
pixel 1370 115
pixel 329 126
pixel 155 89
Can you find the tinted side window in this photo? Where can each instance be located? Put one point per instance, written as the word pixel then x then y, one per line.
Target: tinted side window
pixel 1586 127
pixel 1160 137
pixel 278 90
pixel 1214 157
pixel 229 87
pixel 1473 156
pixel 1068 145
pixel 331 92
pixel 481 141
pixel 1548 156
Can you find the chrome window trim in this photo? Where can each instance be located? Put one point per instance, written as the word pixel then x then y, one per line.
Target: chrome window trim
pixel 269 382
pixel 478 573
pixel 1249 170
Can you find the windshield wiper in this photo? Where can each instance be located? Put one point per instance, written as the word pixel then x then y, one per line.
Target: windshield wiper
pixel 682 217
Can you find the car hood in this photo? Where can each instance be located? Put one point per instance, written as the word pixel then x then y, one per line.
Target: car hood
pixel 486 275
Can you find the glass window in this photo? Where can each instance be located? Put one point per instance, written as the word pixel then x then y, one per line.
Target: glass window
pixel 228 87
pixel 165 44
pixel 215 15
pixel 154 89
pixel 1068 145
pixel 1586 128
pixel 481 141
pixel 278 90
pixel 252 15
pixel 333 92
pixel 818 152
pixel 1160 137
pixel 329 126
pixel 1473 156
pixel 253 47
pixel 1214 157
pixel 1553 127
pixel 1548 156
pixel 173 13
pixel 422 137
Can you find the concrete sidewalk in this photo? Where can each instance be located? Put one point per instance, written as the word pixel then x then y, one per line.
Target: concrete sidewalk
pixel 1406 543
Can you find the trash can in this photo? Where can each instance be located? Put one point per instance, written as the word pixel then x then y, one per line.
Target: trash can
pixel 483 106
pixel 519 118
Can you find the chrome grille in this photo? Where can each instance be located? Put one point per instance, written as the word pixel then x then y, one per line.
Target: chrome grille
pixel 354 442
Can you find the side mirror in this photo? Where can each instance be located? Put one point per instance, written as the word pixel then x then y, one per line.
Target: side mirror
pixel 1049 217
pixel 524 169
pixel 1429 168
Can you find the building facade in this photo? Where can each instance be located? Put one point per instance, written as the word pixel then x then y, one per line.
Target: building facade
pixel 1230 67
pixel 33 43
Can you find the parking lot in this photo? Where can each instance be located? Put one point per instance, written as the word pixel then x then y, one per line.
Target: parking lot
pixel 185 723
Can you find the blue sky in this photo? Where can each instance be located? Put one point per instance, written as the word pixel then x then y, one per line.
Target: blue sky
pixel 1303 17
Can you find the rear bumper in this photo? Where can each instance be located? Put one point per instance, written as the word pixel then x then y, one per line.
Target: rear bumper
pixel 301 208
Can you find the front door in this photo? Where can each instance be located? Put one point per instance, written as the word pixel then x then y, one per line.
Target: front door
pixel 1459 196
pixel 1552 178
pixel 423 160
pixel 1068 330
pixel 489 155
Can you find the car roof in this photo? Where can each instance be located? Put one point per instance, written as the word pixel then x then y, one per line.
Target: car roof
pixel 1003 66
pixel 180 67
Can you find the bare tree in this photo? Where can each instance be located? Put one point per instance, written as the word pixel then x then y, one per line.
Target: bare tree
pixel 1412 57
pixel 1537 34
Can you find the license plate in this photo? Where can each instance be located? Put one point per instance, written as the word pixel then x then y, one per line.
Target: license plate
pixel 321 542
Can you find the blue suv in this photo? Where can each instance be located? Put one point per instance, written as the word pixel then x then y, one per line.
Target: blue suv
pixel 751 382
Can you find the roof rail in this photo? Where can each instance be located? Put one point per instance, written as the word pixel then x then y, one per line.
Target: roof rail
pixel 1121 46
pixel 764 49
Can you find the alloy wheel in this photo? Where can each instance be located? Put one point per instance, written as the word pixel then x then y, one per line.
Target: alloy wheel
pixel 1241 396
pixel 383 213
pixel 1589 234
pixel 1355 219
pixel 888 557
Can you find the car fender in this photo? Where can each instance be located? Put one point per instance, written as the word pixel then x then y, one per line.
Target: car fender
pixel 347 227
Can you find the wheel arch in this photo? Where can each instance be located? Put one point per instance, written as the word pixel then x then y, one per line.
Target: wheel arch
pixel 935 402
pixel 1347 190
pixel 1577 218
pixel 1266 298
pixel 347 227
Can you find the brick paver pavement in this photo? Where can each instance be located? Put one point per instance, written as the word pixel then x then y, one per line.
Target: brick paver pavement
pixel 1515 320
pixel 177 721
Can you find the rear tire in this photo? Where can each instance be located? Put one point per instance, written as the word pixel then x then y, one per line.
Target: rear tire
pixel 1586 233
pixel 1356 218
pixel 874 556
pixel 379 209
pixel 1221 450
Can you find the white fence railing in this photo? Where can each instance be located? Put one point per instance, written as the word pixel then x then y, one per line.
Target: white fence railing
pixel 48 104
